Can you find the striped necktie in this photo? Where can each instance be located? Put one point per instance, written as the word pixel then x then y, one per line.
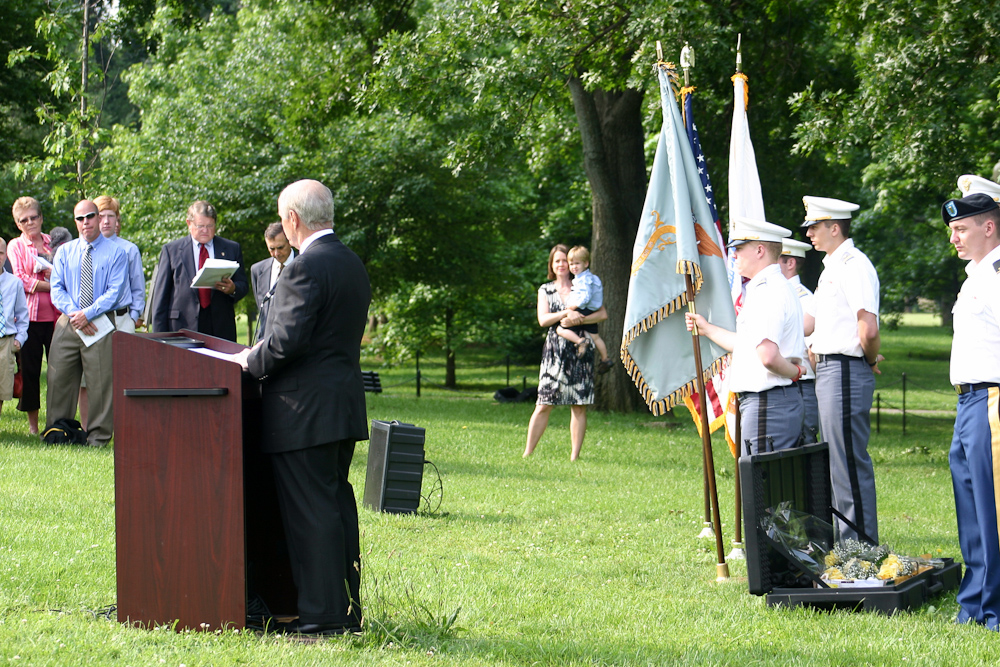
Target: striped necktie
pixel 87 279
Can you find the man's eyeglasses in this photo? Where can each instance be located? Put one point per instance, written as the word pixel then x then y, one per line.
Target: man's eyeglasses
pixel 85 216
pixel 30 218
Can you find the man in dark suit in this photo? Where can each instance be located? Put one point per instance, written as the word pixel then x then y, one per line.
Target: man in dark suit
pixel 314 408
pixel 264 274
pixel 176 305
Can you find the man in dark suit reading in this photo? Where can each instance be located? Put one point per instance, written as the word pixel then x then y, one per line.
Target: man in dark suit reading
pixel 314 408
pixel 177 305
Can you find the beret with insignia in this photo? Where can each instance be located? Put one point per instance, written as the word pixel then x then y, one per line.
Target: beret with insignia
pixel 966 207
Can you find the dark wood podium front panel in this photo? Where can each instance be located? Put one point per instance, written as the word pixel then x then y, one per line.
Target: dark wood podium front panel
pixel 179 483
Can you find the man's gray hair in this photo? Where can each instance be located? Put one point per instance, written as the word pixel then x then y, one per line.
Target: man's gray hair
pixel 202 207
pixel 311 200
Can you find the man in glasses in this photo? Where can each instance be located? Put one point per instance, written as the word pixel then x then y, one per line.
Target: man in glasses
pixel 89 276
pixel 177 305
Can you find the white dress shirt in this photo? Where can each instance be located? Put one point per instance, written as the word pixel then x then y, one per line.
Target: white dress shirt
pixel 808 303
pixel 276 268
pixel 849 283
pixel 771 311
pixel 975 348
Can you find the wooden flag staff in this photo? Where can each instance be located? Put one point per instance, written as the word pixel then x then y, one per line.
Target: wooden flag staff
pixel 707 530
pixel 721 567
pixel 738 553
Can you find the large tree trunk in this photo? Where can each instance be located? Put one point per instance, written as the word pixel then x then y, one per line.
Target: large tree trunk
pixel 614 158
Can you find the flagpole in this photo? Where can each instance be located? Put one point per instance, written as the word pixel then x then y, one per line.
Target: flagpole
pixel 707 530
pixel 721 567
pixel 738 553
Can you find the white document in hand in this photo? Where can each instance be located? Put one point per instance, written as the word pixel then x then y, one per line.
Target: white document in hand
pixel 212 271
pixel 104 327
pixel 42 264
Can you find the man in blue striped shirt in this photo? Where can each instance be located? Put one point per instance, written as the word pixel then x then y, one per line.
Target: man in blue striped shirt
pixel 88 279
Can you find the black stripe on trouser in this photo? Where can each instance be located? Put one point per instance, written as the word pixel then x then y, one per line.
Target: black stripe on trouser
pixel 761 427
pixel 852 463
pixel 762 424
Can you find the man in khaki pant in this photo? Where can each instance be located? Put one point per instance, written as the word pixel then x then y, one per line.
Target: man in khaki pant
pixel 88 280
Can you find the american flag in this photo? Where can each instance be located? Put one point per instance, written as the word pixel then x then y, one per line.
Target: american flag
pixel 716 389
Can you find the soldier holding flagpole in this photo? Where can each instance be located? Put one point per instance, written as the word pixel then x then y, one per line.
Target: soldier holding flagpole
pixel 767 344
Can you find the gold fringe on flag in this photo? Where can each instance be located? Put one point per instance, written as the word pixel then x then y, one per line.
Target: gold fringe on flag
pixel 676 397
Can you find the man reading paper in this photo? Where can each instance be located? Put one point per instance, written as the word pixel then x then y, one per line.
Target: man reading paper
pixel 177 305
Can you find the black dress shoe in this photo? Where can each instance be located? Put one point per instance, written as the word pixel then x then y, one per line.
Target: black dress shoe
pixel 296 627
pixel 258 615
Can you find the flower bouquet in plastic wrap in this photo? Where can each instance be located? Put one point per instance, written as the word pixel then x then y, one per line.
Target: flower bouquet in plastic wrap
pixel 848 563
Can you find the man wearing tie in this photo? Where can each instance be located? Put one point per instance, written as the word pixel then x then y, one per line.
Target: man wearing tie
pixel 177 305
pixel 313 402
pixel 89 276
pixel 264 274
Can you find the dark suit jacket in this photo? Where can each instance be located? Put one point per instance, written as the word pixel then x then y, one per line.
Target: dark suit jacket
pixel 175 302
pixel 260 278
pixel 309 361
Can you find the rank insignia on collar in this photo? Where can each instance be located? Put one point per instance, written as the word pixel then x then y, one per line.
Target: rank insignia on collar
pixel 996 266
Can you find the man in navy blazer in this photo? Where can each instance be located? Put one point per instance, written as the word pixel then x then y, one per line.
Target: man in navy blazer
pixel 176 305
pixel 313 401
pixel 264 274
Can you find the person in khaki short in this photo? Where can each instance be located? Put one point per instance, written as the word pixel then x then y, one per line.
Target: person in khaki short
pixel 13 326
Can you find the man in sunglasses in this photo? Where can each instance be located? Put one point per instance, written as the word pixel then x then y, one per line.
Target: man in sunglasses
pixel 89 276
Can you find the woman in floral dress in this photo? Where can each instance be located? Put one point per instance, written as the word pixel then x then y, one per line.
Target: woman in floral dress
pixel 563 378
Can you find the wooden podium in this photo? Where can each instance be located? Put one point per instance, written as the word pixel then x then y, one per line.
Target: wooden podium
pixel 196 514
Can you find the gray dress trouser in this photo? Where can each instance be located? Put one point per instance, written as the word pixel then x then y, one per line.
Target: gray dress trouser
pixel 770 420
pixel 810 425
pixel 844 390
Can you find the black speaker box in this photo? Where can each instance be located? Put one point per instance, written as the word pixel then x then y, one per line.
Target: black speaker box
pixel 395 467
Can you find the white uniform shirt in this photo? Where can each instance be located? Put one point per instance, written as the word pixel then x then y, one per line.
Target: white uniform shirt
pixel 975 348
pixel 771 311
pixel 848 284
pixel 807 301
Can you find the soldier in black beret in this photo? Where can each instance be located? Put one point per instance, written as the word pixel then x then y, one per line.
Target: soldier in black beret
pixel 975 371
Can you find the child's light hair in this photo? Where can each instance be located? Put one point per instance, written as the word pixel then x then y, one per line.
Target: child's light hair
pixel 579 253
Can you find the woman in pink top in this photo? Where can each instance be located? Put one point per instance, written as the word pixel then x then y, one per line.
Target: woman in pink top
pixel 24 252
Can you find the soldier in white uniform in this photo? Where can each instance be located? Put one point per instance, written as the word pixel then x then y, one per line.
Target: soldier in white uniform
pixel 974 221
pixel 845 343
pixel 793 257
pixel 767 345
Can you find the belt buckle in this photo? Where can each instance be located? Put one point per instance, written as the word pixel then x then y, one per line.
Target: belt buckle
pixel 962 389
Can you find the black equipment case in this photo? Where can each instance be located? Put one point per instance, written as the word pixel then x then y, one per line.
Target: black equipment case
pixel 802 477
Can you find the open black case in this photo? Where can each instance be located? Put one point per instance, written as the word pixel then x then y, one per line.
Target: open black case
pixel 801 476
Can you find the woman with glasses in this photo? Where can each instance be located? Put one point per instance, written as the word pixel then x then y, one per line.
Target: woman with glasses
pixel 31 258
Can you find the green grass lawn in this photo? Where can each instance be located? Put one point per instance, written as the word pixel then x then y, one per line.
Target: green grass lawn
pixel 544 561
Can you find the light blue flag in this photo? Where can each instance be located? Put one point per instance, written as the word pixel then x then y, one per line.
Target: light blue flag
pixel 675 239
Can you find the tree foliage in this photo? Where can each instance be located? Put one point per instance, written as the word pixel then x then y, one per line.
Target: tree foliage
pixel 923 111
pixel 216 126
pixel 462 139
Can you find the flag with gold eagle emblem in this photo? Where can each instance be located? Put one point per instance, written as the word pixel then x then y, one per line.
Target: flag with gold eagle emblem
pixel 676 238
